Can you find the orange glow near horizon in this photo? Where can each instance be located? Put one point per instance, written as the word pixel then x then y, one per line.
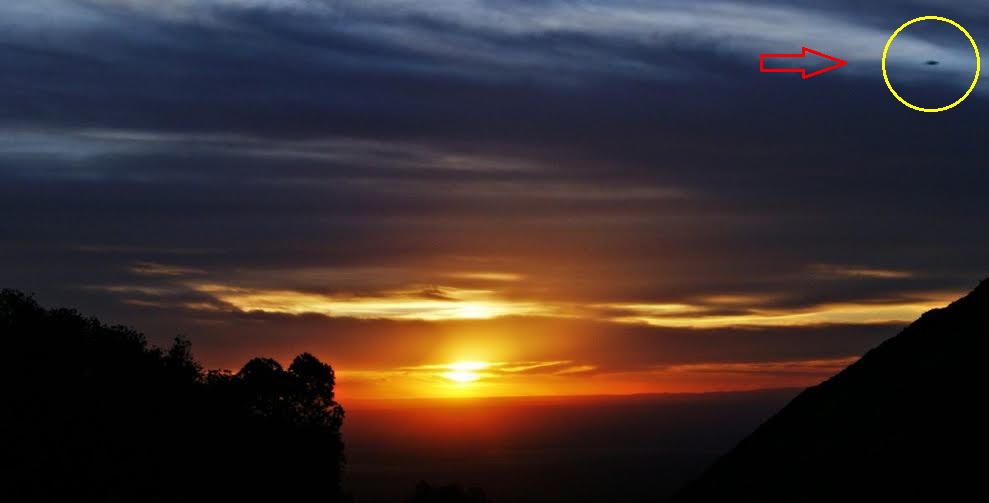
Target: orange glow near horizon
pixel 477 379
pixel 420 341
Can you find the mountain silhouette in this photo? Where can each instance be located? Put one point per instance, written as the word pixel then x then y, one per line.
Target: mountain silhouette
pixel 905 422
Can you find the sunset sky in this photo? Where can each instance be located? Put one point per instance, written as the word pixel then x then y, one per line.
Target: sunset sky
pixel 495 197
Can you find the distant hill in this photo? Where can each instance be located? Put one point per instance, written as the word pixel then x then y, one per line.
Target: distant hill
pixel 92 413
pixel 905 422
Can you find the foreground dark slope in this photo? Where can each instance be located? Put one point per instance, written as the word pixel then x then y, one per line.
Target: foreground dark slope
pixel 905 421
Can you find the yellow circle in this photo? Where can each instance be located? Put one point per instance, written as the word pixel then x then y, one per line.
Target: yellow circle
pixel 978 62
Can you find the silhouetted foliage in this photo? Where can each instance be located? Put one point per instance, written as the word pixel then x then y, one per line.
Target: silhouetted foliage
pixel 453 493
pixel 904 423
pixel 92 413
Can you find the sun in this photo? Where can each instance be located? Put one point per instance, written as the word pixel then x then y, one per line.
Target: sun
pixel 462 377
pixel 464 372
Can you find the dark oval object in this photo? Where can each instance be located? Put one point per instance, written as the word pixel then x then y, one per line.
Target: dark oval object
pixel 931 62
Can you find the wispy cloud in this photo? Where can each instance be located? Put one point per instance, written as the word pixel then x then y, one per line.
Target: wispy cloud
pixel 439 303
pixel 456 303
pixel 879 311
pixel 554 38
pixel 488 276
pixel 814 367
pixel 852 271
pixel 330 151
pixel 156 269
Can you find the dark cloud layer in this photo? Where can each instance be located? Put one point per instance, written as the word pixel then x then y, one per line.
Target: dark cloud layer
pixel 603 152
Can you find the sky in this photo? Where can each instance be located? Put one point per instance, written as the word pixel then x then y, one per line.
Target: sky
pixel 495 197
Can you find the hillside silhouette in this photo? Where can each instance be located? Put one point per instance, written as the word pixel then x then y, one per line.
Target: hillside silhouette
pixel 905 422
pixel 93 413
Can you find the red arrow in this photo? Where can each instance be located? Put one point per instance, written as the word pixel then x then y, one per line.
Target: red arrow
pixel 838 63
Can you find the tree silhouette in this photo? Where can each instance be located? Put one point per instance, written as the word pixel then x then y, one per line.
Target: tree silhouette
pixel 179 360
pixel 314 396
pixel 93 413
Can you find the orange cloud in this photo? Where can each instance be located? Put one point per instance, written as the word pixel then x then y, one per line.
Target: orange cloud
pixel 400 305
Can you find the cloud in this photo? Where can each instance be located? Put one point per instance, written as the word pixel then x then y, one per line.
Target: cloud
pixel 488 276
pixel 156 269
pixel 482 28
pixel 834 270
pixel 682 315
pixel 194 52
pixel 817 367
pixel 415 305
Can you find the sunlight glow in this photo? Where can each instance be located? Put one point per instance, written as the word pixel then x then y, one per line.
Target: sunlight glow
pixel 464 372
pixel 462 377
pixel 475 311
pixel 469 366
